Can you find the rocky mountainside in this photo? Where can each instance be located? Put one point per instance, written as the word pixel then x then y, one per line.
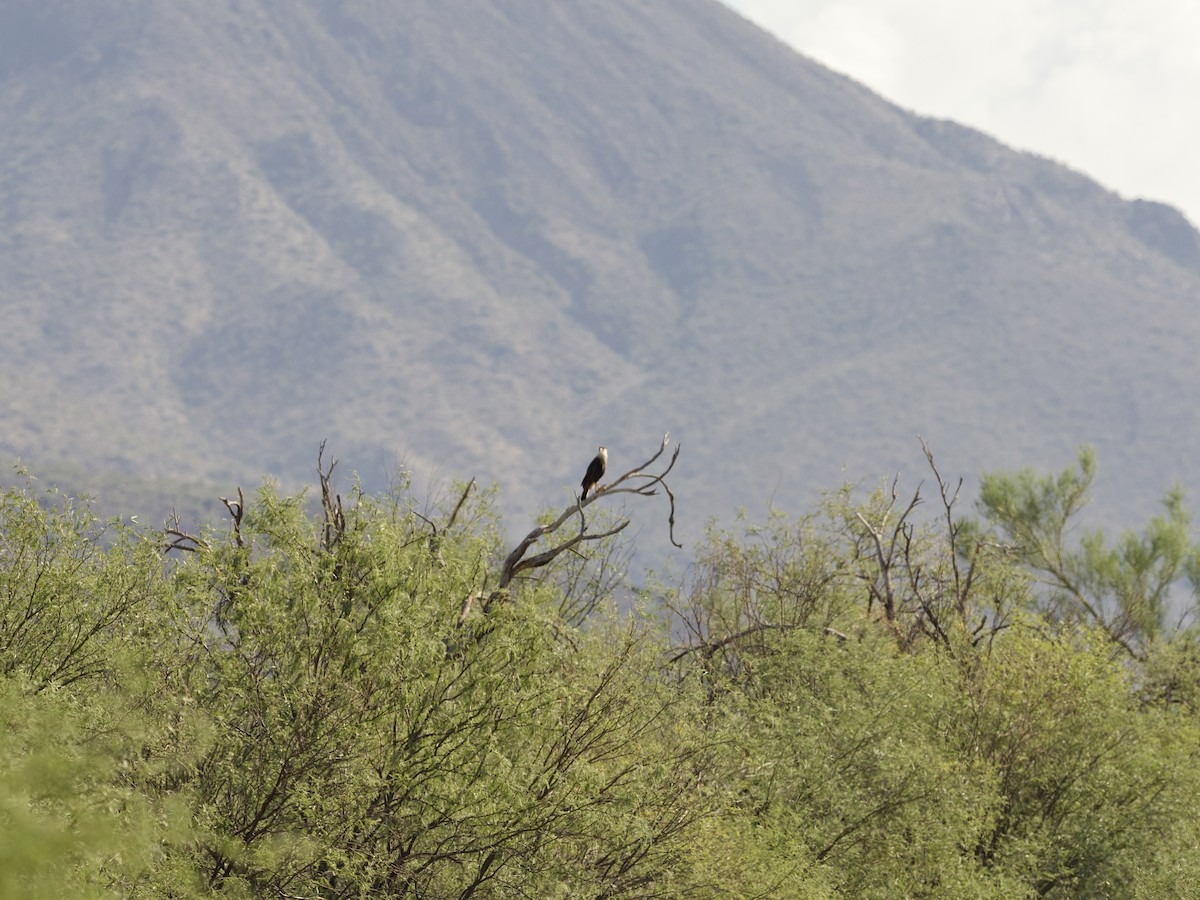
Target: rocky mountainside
pixel 481 239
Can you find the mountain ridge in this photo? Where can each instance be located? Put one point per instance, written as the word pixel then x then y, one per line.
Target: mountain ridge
pixel 480 241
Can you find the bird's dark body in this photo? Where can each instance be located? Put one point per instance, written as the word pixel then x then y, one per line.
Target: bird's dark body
pixel 595 471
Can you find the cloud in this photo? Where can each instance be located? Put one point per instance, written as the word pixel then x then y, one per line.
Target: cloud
pixel 1106 86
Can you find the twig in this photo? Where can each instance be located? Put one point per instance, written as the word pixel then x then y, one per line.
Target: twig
pixel 335 518
pixel 237 509
pixel 178 539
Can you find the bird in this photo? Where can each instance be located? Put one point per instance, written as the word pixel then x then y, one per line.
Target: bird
pixel 595 471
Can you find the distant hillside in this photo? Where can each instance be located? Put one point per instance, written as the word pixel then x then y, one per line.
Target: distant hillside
pixel 481 239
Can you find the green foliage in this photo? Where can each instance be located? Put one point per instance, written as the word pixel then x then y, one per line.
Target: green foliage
pixel 848 758
pixel 92 749
pixel 45 831
pixel 1125 588
pixel 368 744
pixel 893 758
pixel 82 810
pixel 1171 673
pixel 854 703
pixel 780 576
pixel 1082 776
pixel 67 604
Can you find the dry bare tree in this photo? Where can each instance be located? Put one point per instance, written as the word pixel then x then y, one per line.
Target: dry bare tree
pixel 640 481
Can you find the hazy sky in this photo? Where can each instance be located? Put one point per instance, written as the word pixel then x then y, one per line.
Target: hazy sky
pixel 1109 87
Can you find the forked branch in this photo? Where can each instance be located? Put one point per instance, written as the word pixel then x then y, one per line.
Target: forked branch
pixel 331 504
pixel 178 539
pixel 644 483
pixel 638 481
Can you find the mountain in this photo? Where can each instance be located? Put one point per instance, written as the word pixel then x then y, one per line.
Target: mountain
pixel 480 239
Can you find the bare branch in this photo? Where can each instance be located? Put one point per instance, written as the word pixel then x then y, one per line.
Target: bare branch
pixel 965 582
pixel 237 509
pixel 639 469
pixel 466 606
pixel 645 483
pixel 190 543
pixel 892 543
pixel 178 539
pixel 515 562
pixel 639 481
pixel 548 556
pixel 458 506
pixel 335 519
pixel 707 649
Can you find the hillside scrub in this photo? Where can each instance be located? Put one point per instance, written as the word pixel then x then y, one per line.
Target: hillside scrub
pixel 332 699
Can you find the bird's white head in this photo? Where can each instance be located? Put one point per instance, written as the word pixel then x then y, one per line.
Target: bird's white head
pixel 604 454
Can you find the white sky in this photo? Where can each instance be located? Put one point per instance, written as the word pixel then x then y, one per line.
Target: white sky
pixel 1109 87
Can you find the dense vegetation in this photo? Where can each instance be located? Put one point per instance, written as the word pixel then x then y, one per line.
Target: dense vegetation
pixel 335 700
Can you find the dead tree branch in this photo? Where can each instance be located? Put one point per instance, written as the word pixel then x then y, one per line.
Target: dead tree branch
pixel 178 539
pixel 646 483
pixel 331 504
pixel 516 562
pixel 458 506
pixel 964 582
pixel 237 509
pixel 640 482
pixel 707 649
pixel 880 585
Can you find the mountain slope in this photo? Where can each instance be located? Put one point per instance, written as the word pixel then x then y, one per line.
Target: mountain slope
pixel 483 238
